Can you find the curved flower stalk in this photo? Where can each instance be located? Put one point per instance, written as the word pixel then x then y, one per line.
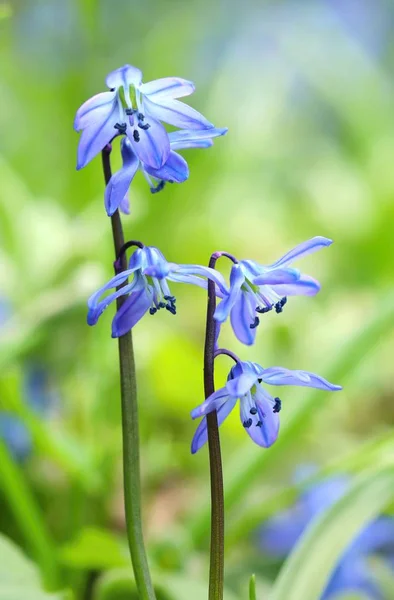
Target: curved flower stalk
pixel 136 110
pixel 259 411
pixel 279 535
pixel 175 169
pixel 148 289
pixel 256 289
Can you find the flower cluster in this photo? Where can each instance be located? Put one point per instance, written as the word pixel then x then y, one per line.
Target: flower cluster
pixel 137 111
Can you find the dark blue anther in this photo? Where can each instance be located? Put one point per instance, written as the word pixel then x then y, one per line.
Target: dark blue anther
pixel 143 126
pixel 121 127
pixel 171 309
pixel 247 423
pixel 130 111
pixel 158 188
pixel 277 405
pixel 171 299
pixel 136 136
pixel 255 323
pixel 162 305
pixel 259 423
pixel 263 310
pixel 140 117
pixel 152 310
pixel 283 301
pixel 253 411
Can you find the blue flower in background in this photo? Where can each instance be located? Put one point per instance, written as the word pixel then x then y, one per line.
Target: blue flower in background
pixel 175 169
pixel 257 289
pixel 148 290
pixel 259 411
pixel 15 436
pixel 280 534
pixel 136 109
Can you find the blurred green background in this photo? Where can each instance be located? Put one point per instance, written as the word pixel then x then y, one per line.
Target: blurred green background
pixel 306 89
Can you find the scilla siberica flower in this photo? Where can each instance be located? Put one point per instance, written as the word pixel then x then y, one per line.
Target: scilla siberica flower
pixel 256 288
pixel 148 290
pixel 279 535
pixel 259 411
pixel 136 109
pixel 175 169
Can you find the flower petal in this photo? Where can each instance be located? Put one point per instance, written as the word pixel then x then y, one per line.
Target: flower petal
pixel 312 245
pixel 267 433
pixel 242 317
pixel 280 534
pixel 242 384
pixel 201 435
pixel 305 286
pixel 120 181
pixel 213 402
pixel 151 145
pixel 194 138
pixel 124 76
pixel 167 87
pixel 133 309
pixel 176 113
pixel 95 137
pixel 175 170
pixel 95 109
pixel 277 276
pixel 282 376
pixel 223 309
pixel 97 307
pixel 156 265
pixel 207 272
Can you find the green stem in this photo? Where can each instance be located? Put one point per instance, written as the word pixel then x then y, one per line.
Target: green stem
pixel 216 571
pixel 131 458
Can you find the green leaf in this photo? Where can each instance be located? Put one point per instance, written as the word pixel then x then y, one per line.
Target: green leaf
pixel 94 549
pixel 307 569
pixel 252 588
pixel 18 574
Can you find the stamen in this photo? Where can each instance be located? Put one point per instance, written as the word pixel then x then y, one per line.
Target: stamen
pixel 143 126
pixel 263 309
pixel 158 188
pixel 255 323
pixel 253 411
pixel 140 117
pixel 171 309
pixel 247 423
pixel 136 136
pixel 130 111
pixel 259 423
pixel 279 305
pixel 277 405
pixel 121 127
pixel 152 310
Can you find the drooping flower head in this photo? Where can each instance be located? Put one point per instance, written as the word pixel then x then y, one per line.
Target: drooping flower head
pixel 279 535
pixel 259 410
pixel 148 289
pixel 256 289
pixel 175 169
pixel 136 110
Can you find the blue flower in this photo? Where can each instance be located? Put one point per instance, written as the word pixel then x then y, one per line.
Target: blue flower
pixel 148 289
pixel 175 169
pixel 259 411
pixel 136 109
pixel 257 289
pixel 279 535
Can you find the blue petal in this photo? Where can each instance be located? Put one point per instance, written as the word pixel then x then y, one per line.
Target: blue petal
pixel 151 145
pixel 167 87
pixel 194 138
pixel 95 109
pixel 223 309
pixel 280 534
pixel 175 170
pixel 124 76
pixel 96 307
pixel 156 265
pixel 207 272
pixel 353 575
pixel 242 384
pixel 378 536
pixel 242 317
pixel 282 376
pixel 277 276
pixel 16 437
pixel 312 245
pixel 95 137
pixel 120 182
pixel 201 435
pixel 305 286
pixel 267 433
pixel 133 309
pixel 213 402
pixel 176 113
